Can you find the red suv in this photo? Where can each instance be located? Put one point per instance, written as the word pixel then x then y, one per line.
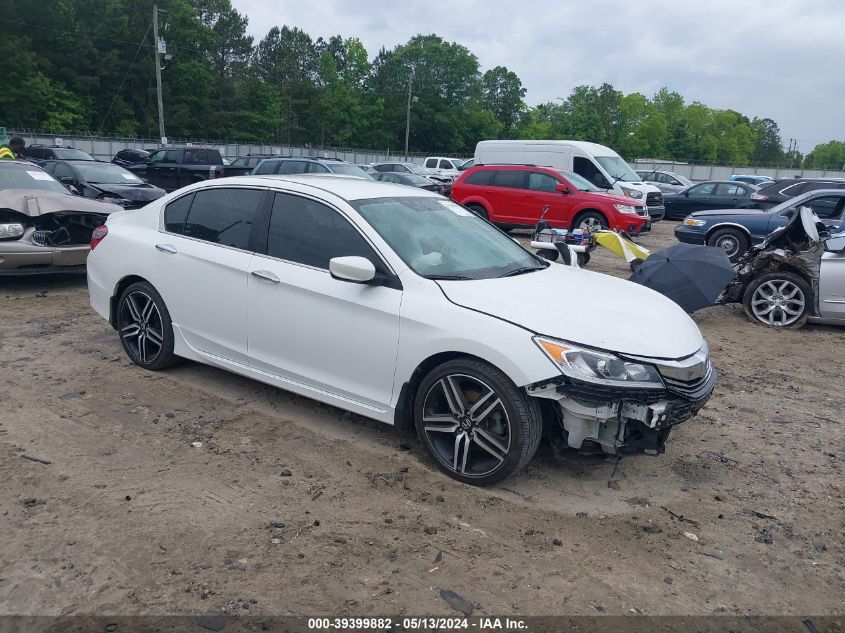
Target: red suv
pixel 514 196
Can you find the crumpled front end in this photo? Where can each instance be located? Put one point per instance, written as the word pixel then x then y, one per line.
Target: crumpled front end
pixel 617 419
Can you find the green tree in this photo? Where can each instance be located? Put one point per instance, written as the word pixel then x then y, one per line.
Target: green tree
pixel 502 95
pixel 829 155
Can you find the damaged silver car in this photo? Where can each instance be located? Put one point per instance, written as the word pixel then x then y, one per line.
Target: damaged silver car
pixel 796 275
pixel 43 227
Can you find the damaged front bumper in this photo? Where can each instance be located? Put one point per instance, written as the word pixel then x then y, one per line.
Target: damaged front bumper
pixel 615 420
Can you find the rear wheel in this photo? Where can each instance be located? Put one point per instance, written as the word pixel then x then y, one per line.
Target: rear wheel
pixel 733 241
pixel 591 221
pixel 478 210
pixel 778 299
pixel 144 326
pixel 479 427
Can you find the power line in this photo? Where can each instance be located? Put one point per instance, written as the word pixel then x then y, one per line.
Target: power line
pixel 138 50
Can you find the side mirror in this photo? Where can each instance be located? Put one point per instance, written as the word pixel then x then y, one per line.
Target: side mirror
pixel 561 188
pixel 358 270
pixel 835 244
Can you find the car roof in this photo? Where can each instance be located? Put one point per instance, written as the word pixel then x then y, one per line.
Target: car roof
pixel 18 163
pixel 345 187
pixel 313 159
pixel 79 161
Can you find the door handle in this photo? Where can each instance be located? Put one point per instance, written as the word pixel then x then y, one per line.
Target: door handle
pixel 266 276
pixel 166 248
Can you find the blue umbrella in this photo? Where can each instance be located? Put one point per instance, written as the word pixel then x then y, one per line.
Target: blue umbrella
pixel 690 275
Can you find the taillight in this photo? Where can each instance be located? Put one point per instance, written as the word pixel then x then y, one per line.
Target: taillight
pixel 220 173
pixel 98 235
pixel 759 196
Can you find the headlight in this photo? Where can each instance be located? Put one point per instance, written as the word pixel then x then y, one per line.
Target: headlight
pixel 626 208
pixel 631 193
pixel 11 230
pixel 123 202
pixel 694 222
pixel 598 367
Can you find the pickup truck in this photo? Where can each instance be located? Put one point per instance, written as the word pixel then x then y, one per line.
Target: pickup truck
pixel 176 167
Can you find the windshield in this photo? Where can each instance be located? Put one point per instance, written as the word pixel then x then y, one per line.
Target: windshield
pixel 29 177
pixel 617 169
pixel 349 170
pixel 579 182
pixel 418 169
pixel 107 174
pixel 413 179
pixel 440 239
pixel 789 204
pixel 71 154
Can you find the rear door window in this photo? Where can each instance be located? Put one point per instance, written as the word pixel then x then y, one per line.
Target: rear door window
pixel 292 167
pixel 176 213
pixel 445 164
pixel 223 216
pixel 267 167
pixel 431 163
pixel 724 189
pixel 510 179
pixel 317 168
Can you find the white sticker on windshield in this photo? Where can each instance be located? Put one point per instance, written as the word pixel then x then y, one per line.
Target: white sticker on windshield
pixel 39 175
pixel 455 208
pixel 129 176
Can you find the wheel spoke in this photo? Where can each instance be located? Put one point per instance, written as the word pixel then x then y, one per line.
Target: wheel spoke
pixel 454 395
pixel 142 348
pixel 154 336
pixel 490 444
pixel 130 331
pixel 480 403
pixel 440 423
pixel 148 309
pixel 486 411
pixel 458 456
pixel 134 312
pixel 793 311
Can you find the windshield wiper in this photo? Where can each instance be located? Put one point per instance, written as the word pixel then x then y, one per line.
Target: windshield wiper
pixel 522 271
pixel 446 277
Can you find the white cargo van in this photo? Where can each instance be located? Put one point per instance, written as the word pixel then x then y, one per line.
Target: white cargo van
pixel 599 164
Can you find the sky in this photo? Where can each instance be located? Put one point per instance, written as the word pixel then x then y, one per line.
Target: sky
pixel 781 59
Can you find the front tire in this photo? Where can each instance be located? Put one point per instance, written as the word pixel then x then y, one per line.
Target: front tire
pixel 591 221
pixel 145 328
pixel 778 299
pixel 477 425
pixel 733 241
pixel 547 253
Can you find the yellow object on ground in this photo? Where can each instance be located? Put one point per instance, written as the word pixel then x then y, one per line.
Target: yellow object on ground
pixel 621 246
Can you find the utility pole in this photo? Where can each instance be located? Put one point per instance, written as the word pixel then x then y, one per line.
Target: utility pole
pixel 408 116
pixel 158 76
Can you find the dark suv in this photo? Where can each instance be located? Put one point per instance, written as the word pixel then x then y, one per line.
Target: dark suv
pixel 304 165
pixel 56 152
pixel 130 156
pixel 781 190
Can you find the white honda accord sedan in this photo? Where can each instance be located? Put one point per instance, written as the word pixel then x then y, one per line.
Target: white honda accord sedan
pixel 402 306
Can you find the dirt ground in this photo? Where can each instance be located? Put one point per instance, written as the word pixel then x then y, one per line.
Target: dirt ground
pixel 292 507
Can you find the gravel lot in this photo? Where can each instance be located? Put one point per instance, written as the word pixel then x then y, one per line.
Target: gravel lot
pixel 292 507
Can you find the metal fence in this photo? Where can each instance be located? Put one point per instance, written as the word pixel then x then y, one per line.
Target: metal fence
pixel 724 172
pixel 105 148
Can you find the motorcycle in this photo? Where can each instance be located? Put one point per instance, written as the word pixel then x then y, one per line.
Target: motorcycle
pixel 572 246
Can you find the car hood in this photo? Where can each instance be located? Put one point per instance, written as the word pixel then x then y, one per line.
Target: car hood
pixel 613 198
pixel 34 202
pixel 584 307
pixel 727 212
pixel 141 192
